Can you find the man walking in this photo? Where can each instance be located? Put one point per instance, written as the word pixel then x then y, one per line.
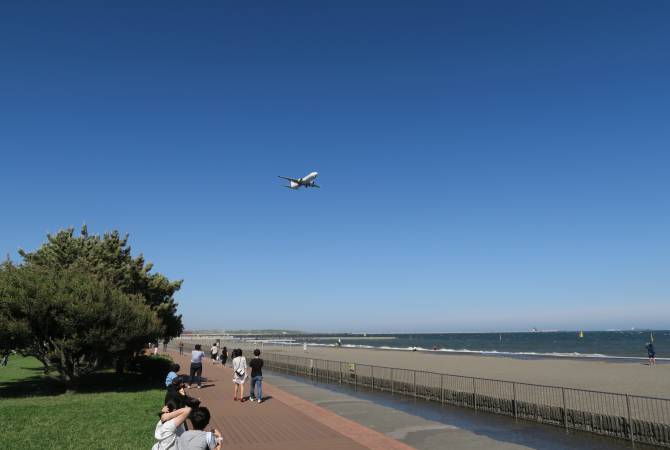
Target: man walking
pixel 181 348
pixel 651 353
pixel 256 365
pixel 214 352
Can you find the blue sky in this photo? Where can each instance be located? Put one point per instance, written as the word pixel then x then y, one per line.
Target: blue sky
pixel 484 165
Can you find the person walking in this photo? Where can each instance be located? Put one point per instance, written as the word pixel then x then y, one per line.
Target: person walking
pixel 214 352
pixel 156 349
pixel 197 356
pixel 651 353
pixel 239 374
pixel 256 365
pixel 181 348
pixel 224 356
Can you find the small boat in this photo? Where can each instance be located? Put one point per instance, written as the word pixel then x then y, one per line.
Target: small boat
pixel 581 334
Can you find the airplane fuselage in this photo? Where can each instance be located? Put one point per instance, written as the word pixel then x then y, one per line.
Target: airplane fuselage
pixel 306 181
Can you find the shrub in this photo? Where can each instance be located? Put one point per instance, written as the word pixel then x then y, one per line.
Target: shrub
pixel 151 367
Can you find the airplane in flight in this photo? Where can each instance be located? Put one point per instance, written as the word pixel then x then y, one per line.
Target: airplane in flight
pixel 306 181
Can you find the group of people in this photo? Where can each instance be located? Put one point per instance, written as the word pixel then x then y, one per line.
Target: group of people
pixel 218 356
pixel 171 430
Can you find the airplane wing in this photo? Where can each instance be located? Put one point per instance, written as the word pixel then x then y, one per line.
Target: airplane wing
pixel 290 179
pixel 315 185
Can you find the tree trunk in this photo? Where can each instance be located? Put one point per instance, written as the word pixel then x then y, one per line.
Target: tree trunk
pixel 71 385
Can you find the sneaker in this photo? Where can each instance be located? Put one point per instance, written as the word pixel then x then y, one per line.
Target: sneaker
pixel 199 386
pixel 259 400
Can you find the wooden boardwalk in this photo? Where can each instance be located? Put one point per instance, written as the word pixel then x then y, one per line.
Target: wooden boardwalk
pixel 282 422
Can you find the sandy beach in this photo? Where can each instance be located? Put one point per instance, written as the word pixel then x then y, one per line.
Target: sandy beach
pixel 621 377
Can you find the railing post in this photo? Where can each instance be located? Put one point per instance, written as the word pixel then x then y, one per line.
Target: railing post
pixel 474 394
pixel 414 383
pixel 340 366
pixel 630 422
pixel 442 389
pixel 392 382
pixel 372 372
pixel 355 377
pixel 514 400
pixel 565 409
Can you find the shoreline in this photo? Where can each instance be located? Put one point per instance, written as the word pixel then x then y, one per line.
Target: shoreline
pixel 493 353
pixel 604 375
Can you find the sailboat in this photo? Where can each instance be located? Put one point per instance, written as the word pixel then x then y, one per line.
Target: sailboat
pixel 581 334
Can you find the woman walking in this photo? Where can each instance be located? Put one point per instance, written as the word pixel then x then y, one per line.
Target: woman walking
pixel 196 365
pixel 239 373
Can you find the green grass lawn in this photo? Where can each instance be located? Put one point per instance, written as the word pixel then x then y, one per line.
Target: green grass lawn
pixel 110 412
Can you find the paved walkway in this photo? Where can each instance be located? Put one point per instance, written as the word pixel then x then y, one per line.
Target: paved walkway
pixel 282 421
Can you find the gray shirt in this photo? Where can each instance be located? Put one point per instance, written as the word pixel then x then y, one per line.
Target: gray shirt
pixel 197 440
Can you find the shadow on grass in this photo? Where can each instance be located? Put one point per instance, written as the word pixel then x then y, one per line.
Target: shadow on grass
pixel 45 385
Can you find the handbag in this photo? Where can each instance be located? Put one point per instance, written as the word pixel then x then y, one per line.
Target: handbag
pixel 240 374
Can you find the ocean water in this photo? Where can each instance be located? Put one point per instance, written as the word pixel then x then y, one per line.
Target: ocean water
pixel 593 344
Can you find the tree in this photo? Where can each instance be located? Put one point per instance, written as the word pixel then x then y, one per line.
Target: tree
pixel 87 283
pixel 109 258
pixel 70 319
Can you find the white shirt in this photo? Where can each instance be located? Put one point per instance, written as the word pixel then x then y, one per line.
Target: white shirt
pixel 240 365
pixel 166 435
pixel 215 349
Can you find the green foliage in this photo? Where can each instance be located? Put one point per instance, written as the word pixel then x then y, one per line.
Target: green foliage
pixel 109 257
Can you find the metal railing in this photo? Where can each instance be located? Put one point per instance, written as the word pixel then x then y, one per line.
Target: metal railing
pixel 636 418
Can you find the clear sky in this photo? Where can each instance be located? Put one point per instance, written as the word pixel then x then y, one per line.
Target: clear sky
pixel 484 165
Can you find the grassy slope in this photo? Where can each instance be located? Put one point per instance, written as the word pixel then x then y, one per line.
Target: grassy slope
pixel 104 420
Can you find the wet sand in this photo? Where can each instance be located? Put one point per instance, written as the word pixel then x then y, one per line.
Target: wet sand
pixel 624 377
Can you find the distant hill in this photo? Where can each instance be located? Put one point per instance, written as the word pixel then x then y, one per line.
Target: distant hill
pixel 243 332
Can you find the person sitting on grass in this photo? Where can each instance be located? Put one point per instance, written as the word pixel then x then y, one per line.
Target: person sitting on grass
pixel 170 425
pixel 176 393
pixel 198 438
pixel 172 374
